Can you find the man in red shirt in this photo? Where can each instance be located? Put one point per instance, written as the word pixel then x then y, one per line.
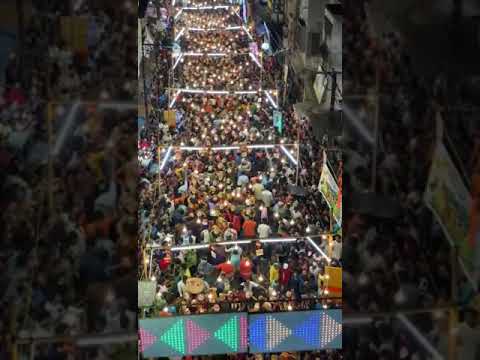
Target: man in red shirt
pixel 249 228
pixel 285 275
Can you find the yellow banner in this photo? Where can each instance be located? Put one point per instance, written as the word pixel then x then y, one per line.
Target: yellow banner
pixel 170 118
pixel 334 280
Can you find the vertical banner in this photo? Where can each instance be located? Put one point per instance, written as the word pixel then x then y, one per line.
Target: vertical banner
pixel 334 283
pixel 449 200
pixel 330 191
pixel 278 121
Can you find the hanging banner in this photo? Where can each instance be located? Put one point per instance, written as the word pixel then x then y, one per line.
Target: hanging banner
pixel 448 198
pixel 146 293
pixel 330 191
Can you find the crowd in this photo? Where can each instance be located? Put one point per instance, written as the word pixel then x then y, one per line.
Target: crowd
pixel 221 119
pixel 64 240
pixel 218 73
pixel 224 188
pixel 229 41
pixel 217 19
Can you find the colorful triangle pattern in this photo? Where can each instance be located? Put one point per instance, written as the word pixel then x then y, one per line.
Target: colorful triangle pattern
pixel 309 331
pixel 330 329
pixel 228 333
pixel 196 336
pixel 257 333
pixel 174 337
pixel 147 339
pixel 243 333
pixel 277 332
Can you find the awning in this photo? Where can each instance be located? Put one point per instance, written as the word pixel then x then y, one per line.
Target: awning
pixel 323 120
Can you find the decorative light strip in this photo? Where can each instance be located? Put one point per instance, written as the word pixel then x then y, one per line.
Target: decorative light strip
pixel 193 54
pixel 175 98
pixel 267 146
pixel 189 247
pixel 255 60
pixel 271 100
pixel 165 159
pixel 238 242
pixel 229 28
pixel 176 62
pixel 179 34
pixel 318 249
pixel 197 53
pixel 178 14
pixel 227 148
pixel 245 92
pixel 207 7
pixel 217 92
pixel 279 240
pixel 289 155
pixel 248 32
pixel 224 92
pixel 193 91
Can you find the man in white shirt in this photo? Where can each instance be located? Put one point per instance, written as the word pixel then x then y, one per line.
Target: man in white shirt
pixel 267 197
pixel 248 285
pixel 337 248
pixel 263 230
pixel 205 236
pixel 182 287
pixel 257 189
